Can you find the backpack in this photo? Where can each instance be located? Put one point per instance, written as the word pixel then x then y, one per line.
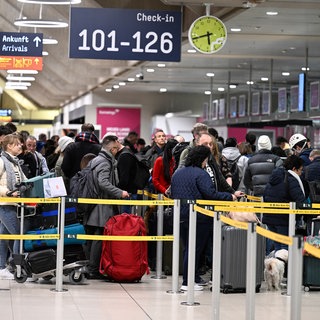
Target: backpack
pixel 142 175
pixel 234 169
pixel 82 185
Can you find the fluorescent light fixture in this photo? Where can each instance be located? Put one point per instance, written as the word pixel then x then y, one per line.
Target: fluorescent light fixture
pixel 21 71
pixel 122 83
pixel 210 74
pixel 264 78
pixel 192 51
pixel 250 82
pixel 161 65
pixel 163 90
pixel 49 41
pixel 19 78
pixel 45 53
pixel 18 83
pixel 65 2
pixel 115 86
pixel 286 74
pixel 305 69
pixel 131 79
pixel 221 89
pixel 207 92
pixel 232 86
pixel 109 90
pixel 16 87
pixel 235 29
pixel 271 13
pixel 150 70
pixel 39 23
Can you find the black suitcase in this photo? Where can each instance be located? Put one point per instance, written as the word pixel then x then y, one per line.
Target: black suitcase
pixel 234 260
pixel 42 261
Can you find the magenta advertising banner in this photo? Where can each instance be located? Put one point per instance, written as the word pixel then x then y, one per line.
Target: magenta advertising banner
pixel 118 120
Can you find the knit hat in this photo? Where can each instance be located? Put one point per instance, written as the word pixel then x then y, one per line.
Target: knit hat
pixel 64 141
pixel 264 143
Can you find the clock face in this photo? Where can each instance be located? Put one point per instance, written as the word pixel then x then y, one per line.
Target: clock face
pixel 207 34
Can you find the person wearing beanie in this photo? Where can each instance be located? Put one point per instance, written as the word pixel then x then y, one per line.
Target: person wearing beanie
pixel 63 142
pixel 264 143
pixel 259 167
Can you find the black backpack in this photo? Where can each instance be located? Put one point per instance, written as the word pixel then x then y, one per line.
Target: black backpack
pixel 234 169
pixel 82 185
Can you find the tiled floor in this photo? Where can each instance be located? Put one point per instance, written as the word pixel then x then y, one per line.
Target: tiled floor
pixel 100 300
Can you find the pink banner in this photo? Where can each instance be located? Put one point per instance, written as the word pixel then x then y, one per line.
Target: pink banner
pixel 118 120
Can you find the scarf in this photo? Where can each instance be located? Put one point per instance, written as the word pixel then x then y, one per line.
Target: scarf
pixel 87 136
pixel 295 175
pixel 8 160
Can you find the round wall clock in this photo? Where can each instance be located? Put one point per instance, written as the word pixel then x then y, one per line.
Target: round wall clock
pixel 207 34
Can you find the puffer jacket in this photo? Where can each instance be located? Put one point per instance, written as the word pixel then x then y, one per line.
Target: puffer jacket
pixel 258 170
pixel 282 187
pixel 312 171
pixel 194 183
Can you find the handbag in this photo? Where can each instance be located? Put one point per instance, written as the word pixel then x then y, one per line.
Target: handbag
pixel 243 216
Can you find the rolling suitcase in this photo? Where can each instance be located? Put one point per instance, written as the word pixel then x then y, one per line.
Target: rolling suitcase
pixel 124 261
pixel 234 260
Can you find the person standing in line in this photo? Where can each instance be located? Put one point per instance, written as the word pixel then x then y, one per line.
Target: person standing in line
pixel 299 144
pixel 193 182
pixel 130 141
pixel 11 174
pixel 85 142
pixel 105 178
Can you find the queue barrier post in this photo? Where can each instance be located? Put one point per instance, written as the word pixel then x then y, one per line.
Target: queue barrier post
pixel 175 248
pixel 159 274
pixel 216 265
pixel 60 246
pixel 191 254
pixel 297 258
pixel 251 271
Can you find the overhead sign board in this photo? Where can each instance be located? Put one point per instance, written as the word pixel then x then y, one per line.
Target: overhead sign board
pixel 125 34
pixel 21 44
pixel 21 63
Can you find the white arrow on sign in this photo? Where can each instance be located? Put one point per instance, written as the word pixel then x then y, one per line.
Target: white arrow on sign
pixel 37 40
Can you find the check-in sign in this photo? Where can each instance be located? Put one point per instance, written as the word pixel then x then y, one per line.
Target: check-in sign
pixel 124 34
pixel 21 44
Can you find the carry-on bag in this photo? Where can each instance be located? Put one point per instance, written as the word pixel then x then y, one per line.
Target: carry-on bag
pixel 124 261
pixel 31 245
pixel 234 259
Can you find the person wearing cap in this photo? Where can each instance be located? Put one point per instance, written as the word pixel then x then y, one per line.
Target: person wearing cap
pixel 85 142
pixel 62 144
pixel 299 144
pixel 260 166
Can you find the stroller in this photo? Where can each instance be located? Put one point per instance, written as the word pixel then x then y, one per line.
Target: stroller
pixel 40 262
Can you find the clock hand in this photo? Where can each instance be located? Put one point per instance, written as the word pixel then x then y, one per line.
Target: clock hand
pixel 208 34
pixel 208 37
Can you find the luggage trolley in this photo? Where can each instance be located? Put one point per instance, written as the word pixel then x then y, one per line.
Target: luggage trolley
pixel 42 263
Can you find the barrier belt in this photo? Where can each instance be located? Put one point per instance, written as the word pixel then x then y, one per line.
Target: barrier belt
pixel 243 204
pixel 123 202
pixel 30 200
pixel 274 236
pixel 29 236
pixel 121 238
pixel 312 250
pixel 204 211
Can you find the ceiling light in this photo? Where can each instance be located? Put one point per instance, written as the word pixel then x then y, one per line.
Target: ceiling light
pixel 271 13
pixel 207 92
pixel 250 82
pixel 109 90
pixel 163 90
pixel 150 70
pixel 122 83
pixel 232 86
pixel 51 1
pixel 115 86
pixel 18 83
pixel 210 74
pixel 161 65
pixel 264 79
pixel 45 53
pixel 49 41
pixel 16 87
pixel 192 51
pixel 221 89
pixel 305 69
pixel 131 79
pixel 286 74
pixel 39 23
pixel 235 29
pixel 19 78
pixel 16 71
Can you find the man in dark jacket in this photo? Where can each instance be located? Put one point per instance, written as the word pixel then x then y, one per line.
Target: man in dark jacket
pixel 260 166
pixel 85 142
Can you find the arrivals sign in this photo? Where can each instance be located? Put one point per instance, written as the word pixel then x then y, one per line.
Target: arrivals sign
pixel 125 34
pixel 20 51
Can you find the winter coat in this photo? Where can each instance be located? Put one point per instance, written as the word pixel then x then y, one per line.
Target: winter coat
pixel 106 179
pixel 304 155
pixel 158 179
pixel 194 183
pixel 312 171
pixel 258 170
pixel 281 188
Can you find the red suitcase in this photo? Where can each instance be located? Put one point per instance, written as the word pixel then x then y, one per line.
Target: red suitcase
pixel 124 261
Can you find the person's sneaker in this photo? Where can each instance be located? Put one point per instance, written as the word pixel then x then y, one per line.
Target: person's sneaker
pixel 201 282
pixel 5 274
pixel 195 288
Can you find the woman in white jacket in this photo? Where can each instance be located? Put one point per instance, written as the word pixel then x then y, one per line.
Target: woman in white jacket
pixel 10 174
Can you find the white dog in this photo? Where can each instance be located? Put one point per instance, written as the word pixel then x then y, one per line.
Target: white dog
pixel 274 269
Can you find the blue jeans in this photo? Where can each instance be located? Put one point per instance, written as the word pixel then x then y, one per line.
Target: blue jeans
pixel 283 230
pixel 9 225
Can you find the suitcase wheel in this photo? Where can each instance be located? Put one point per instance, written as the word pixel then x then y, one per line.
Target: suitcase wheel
pixel 22 278
pixel 76 278
pixel 306 289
